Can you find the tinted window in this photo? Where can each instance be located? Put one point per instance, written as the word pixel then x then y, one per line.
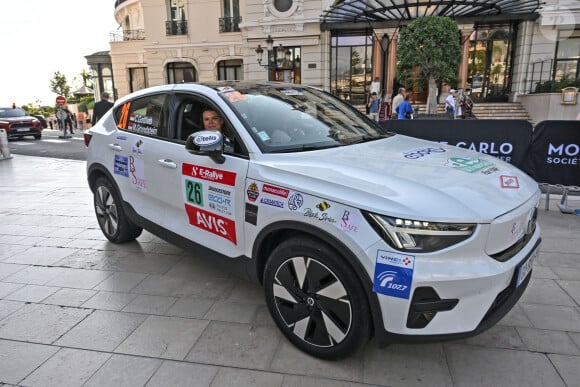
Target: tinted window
pixel 10 112
pixel 147 115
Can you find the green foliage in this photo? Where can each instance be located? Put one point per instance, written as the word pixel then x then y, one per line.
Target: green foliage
pixel 557 86
pixel 429 47
pixel 86 103
pixel 59 85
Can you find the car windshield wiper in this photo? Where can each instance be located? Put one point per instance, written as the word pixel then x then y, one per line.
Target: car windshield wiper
pixel 367 138
pixel 305 147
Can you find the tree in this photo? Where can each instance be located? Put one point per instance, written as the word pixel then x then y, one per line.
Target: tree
pixel 429 48
pixel 59 85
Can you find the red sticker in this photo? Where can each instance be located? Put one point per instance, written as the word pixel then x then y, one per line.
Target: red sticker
pixel 509 181
pixel 209 174
pixel 278 191
pixel 211 222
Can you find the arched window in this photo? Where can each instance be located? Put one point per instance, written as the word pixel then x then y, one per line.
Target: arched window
pixel 230 70
pixel 180 72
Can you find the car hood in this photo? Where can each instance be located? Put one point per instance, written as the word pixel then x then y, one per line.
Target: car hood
pixel 404 176
pixel 18 119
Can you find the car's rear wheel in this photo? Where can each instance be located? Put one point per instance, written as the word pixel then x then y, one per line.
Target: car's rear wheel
pixel 315 299
pixel 110 214
pixel 37 136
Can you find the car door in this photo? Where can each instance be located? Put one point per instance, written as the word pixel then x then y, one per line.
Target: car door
pixel 202 200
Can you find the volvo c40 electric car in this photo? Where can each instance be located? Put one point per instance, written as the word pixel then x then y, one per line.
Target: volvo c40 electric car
pixel 352 231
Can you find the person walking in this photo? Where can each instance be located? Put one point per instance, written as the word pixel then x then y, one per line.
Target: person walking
pixel 400 97
pixel 101 108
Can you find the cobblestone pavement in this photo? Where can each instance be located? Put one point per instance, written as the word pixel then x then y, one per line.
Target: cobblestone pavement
pixel 78 310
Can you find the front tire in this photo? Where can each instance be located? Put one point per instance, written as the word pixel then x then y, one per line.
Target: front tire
pixel 315 299
pixel 112 219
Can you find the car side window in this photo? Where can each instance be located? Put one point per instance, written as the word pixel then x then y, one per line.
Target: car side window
pixel 146 115
pixel 189 119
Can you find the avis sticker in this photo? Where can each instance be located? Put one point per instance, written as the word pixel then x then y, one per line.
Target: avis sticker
pixel 393 274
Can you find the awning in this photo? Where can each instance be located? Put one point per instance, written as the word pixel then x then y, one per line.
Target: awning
pixel 389 11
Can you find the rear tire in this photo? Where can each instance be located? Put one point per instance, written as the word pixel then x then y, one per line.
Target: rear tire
pixel 112 219
pixel 315 299
pixel 37 136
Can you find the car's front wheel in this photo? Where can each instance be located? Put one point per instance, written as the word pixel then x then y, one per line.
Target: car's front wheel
pixel 110 214
pixel 315 299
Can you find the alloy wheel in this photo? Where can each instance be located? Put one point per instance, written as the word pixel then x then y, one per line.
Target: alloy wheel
pixel 106 210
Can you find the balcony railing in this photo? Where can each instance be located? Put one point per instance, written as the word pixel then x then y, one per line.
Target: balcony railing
pixel 174 27
pixel 230 24
pixel 127 35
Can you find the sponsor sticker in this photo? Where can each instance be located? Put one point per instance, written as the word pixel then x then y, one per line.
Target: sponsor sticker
pixel 278 191
pixel 418 153
pixel 469 164
pixel 213 223
pixel 295 201
pixel 272 202
pixel 209 174
pixel 253 192
pixel 350 221
pixel 137 148
pixel 121 165
pixel 509 182
pixel 137 173
pixel 393 274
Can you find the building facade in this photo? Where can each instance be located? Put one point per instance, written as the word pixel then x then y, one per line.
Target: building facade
pixel 509 46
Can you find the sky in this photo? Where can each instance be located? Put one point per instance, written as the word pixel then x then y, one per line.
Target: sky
pixel 40 37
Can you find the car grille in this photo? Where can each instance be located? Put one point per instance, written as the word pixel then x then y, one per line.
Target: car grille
pixel 513 250
pixel 22 124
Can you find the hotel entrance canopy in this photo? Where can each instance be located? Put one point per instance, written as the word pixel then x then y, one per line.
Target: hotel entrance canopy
pixel 390 13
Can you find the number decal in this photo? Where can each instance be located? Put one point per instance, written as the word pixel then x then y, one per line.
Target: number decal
pixel 124 116
pixel 194 192
pixel 236 96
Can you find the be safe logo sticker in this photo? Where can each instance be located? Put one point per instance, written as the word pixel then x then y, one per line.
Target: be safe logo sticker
pixel 393 274
pixel 350 221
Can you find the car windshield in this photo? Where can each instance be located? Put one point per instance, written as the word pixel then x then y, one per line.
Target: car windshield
pixel 12 112
pixel 290 118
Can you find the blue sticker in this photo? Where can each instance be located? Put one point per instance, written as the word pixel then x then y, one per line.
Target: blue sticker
pixel 393 274
pixel 121 166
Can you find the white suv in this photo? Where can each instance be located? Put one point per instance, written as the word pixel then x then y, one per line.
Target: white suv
pixel 352 231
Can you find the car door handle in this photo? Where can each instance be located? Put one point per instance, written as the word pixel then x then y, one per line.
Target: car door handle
pixel 116 147
pixel 167 163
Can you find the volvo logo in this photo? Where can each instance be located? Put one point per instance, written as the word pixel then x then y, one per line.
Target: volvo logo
pixel 531 222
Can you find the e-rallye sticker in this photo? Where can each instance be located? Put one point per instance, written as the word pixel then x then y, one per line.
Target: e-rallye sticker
pixel 393 274
pixel 213 223
pixel 209 174
pixel 121 165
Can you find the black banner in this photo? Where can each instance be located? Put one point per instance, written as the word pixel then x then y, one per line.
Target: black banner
pixel 508 140
pixel 555 153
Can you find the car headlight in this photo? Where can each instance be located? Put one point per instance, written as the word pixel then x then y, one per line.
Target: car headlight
pixel 419 236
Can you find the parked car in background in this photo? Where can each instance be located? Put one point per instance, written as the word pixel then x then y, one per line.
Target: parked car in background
pixel 19 123
pixel 351 230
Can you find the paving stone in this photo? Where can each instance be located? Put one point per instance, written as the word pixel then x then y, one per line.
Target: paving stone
pixel 7 269
pixel 263 317
pixel 35 275
pixel 546 291
pixel 553 317
pixel 70 297
pixel 17 359
pixel 240 312
pixel 231 377
pixel 122 370
pixel 109 301
pixel 40 255
pixel 150 304
pixel 121 282
pixel 498 336
pixel 247 292
pixel 289 359
pixel 190 308
pixel 567 273
pixel 39 323
pixel 102 331
pixel 236 345
pixel 158 285
pixel 541 340
pixel 79 278
pixel 516 317
pixel 7 288
pixel 572 288
pixel 163 337
pixel 68 367
pixel 8 307
pixel 32 293
pixel 568 367
pixel 479 367
pixel 176 374
pixel 306 381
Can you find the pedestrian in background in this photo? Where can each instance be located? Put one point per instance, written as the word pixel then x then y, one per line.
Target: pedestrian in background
pixel 405 109
pixel 450 104
pixel 101 107
pixel 373 106
pixel 399 98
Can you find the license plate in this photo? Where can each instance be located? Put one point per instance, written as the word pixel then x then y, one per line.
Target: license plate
pixel 526 267
pixel 22 130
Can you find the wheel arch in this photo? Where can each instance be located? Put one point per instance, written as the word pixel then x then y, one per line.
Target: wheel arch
pixel 97 170
pixel 273 234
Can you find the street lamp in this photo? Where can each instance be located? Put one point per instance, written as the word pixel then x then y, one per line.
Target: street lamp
pixel 260 52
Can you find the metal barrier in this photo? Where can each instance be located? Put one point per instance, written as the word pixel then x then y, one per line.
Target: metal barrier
pixel 4 148
pixel 564 190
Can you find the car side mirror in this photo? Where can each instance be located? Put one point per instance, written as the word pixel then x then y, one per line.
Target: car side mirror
pixel 206 143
